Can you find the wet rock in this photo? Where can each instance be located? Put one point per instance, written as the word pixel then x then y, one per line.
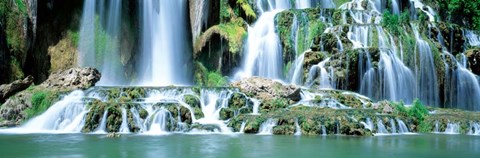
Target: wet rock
pixel 74 78
pixel 473 56
pixel 7 90
pixel 265 89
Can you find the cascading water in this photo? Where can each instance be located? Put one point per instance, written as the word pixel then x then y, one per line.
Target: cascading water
pixel 381 129
pixel 164 53
pixel 263 56
pixel 393 127
pixel 103 123
pixel 427 84
pixel 266 128
pixel 298 130
pixel 124 126
pixel 402 127
pixel 452 128
pixel 65 116
pixel 99 40
pixel 86 43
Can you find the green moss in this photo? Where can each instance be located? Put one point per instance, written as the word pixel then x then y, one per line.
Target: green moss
pixel 215 79
pixel 16 69
pixel 74 37
pixel 41 101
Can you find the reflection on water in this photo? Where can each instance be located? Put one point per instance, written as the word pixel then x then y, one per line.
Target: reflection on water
pixel 179 145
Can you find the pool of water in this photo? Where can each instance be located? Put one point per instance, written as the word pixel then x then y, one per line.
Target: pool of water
pixel 182 145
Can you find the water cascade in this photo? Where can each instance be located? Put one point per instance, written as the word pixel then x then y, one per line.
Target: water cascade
pixel 402 127
pixel 393 126
pixel 263 56
pixel 103 123
pixel 163 43
pixel 368 124
pixel 266 128
pixel 474 128
pixel 452 128
pixel 324 130
pixel 381 129
pixel 65 116
pixel 124 126
pixel 99 40
pixel 298 130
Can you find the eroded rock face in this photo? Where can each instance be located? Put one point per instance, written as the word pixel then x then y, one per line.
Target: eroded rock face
pixel 7 90
pixel 74 78
pixel 473 56
pixel 266 89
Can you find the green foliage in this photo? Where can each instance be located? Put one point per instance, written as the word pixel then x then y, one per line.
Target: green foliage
pixel 418 111
pixel 74 37
pixel 21 6
pixel 391 22
pixel 41 101
pixel 462 12
pixel 103 42
pixel 424 127
pixel 247 8
pixel 215 79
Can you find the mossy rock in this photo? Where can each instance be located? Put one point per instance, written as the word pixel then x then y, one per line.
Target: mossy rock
pixel 192 100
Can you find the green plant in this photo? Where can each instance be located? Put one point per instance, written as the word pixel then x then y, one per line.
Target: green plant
pixel 41 101
pixel 418 111
pixel 21 6
pixel 215 79
pixel 74 37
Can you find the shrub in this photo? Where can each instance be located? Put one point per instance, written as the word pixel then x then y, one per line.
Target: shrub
pixel 41 101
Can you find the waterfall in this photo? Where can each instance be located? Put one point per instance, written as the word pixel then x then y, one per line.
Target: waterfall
pixel 474 128
pixel 124 126
pixel 427 85
pixel 395 7
pixel 472 38
pixel 402 127
pixel 102 127
pixel 266 128
pixel 99 40
pixel 263 56
pixel 381 128
pixel 163 38
pixel 318 73
pixel 298 130
pixel 159 121
pixel 368 124
pixel 327 4
pixel 393 126
pixel 86 45
pixel 452 128
pixel 324 130
pixel 112 68
pixel 242 127
pixel 436 128
pixel 302 4
pixel 297 71
pixel 64 116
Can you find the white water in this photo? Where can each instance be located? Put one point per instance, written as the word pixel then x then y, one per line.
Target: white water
pixel 65 116
pixel 472 38
pixel 158 124
pixel 368 124
pixel 324 130
pixel 124 126
pixel 436 128
pixel 402 127
pixel 427 84
pixel 381 128
pixel 263 56
pixel 302 4
pixel 163 43
pixel 266 128
pixel 319 74
pixel 452 128
pixel 102 127
pixel 298 130
pixel 242 127
pixel 393 126
pixel 86 45
pixel 474 128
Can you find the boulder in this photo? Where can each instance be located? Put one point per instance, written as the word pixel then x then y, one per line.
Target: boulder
pixel 266 89
pixel 7 90
pixel 74 78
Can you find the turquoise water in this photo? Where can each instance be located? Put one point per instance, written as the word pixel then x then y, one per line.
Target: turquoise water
pixel 181 145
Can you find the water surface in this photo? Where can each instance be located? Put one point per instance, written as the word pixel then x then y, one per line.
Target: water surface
pixel 181 145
